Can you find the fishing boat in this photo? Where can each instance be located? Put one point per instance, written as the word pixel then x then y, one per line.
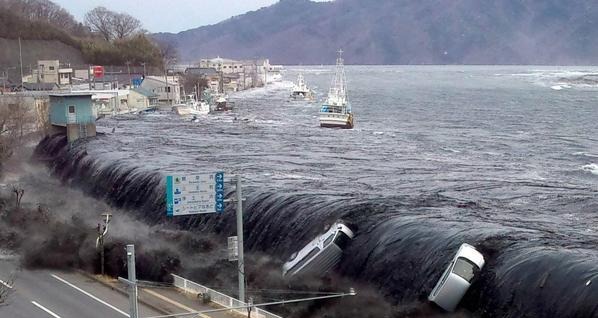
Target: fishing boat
pixel 221 103
pixel 191 106
pixel 336 110
pixel 301 91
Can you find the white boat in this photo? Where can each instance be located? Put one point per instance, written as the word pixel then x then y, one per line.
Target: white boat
pixel 220 103
pixel 301 91
pixel 191 107
pixel 336 110
pixel 321 254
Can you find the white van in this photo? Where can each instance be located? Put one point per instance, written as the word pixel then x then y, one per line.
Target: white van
pixel 321 254
pixel 457 278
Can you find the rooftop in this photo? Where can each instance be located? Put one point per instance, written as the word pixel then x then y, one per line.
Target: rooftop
pixel 70 95
pixel 144 92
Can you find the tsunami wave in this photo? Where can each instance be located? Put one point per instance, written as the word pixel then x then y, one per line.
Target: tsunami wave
pixel 402 244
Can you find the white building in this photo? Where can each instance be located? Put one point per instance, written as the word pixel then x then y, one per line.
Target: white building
pixel 227 66
pixel 169 92
pixel 49 71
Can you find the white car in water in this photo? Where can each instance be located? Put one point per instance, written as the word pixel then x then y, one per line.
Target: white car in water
pixel 457 278
pixel 321 254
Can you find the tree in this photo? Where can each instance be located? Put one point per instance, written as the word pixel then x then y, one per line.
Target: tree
pixel 100 20
pixel 41 11
pixel 194 83
pixel 125 25
pixel 16 120
pixel 168 53
pixel 112 25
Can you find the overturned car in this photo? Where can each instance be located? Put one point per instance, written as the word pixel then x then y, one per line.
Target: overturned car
pixel 321 254
pixel 457 277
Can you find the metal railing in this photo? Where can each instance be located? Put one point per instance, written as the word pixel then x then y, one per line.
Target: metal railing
pixel 219 298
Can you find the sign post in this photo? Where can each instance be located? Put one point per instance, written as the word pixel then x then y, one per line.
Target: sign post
pixel 131 282
pixel 240 239
pixel 202 194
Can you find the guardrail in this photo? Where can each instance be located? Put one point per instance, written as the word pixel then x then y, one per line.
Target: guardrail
pixel 219 298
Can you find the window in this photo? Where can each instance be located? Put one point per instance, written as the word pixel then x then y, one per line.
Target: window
pixel 328 239
pixel 168 89
pixel 71 109
pixel 342 240
pixel 51 68
pixel 307 258
pixel 465 269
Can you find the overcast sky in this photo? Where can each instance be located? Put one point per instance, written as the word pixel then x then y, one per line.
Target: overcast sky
pixel 169 15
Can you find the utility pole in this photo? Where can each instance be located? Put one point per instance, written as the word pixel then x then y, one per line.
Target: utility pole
pixel 89 75
pixel 240 239
pixel 102 231
pixel 143 68
pixel 129 71
pixel 21 61
pixel 166 87
pixel 131 282
pixel 133 311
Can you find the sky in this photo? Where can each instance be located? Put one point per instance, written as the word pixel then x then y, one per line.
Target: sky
pixel 169 15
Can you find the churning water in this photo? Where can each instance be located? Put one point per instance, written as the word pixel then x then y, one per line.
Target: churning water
pixel 494 156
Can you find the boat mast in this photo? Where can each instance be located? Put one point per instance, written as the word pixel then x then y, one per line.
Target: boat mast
pixel 338 87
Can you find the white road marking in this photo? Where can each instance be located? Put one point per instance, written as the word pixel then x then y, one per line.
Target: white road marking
pixel 5 284
pixel 45 309
pixel 91 296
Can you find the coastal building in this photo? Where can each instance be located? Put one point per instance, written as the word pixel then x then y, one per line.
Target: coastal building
pixel 227 66
pixel 72 114
pixel 50 72
pixel 140 99
pixel 210 74
pixel 65 76
pixel 231 83
pixel 167 88
pixel 236 74
pixel 47 71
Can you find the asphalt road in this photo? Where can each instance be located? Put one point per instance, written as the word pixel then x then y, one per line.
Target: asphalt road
pixel 44 293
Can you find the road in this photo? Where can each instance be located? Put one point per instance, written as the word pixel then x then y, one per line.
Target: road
pixel 61 295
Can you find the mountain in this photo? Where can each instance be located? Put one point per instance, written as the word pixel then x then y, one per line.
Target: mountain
pixel 403 32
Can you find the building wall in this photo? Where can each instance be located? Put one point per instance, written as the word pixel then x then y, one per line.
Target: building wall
pixel 48 71
pixel 138 101
pixel 59 109
pixel 224 65
pixel 65 76
pixel 159 87
pixel 77 131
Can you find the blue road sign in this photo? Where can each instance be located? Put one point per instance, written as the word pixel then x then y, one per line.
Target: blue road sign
pixel 195 194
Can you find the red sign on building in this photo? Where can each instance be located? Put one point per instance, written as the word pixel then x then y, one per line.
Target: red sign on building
pixel 98 71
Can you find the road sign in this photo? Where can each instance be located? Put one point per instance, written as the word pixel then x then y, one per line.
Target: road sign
pixel 195 194
pixel 233 248
pixel 98 71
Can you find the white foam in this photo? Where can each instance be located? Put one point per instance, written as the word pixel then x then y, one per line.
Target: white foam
pixel 557 87
pixel 591 168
